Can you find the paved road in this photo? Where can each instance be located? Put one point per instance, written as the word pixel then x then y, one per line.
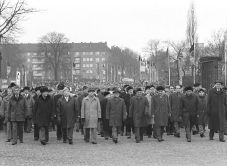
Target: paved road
pixel 173 151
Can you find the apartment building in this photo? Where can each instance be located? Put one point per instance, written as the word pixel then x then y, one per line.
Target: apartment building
pixel 83 61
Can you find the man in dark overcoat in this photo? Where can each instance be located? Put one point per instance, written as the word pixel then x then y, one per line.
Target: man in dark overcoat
pixel 188 110
pixel 43 113
pixel 174 101
pixel 116 113
pixel 160 110
pixel 128 121
pixel 56 98
pixel 67 115
pixel 105 122
pixel 138 111
pixel 217 110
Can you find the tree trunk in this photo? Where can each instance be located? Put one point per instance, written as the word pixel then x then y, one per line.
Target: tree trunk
pixel 56 74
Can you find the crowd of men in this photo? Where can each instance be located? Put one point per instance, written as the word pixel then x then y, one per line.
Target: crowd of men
pixel 143 111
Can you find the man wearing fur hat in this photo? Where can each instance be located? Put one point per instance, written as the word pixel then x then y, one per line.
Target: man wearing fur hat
pixel 43 112
pixel 107 132
pixel 160 110
pixel 188 110
pixel 28 97
pixel 67 115
pixel 16 113
pixel 217 110
pixel 174 101
pixel 56 97
pixel 202 111
pixel 138 111
pixel 116 113
pixel 128 122
pixel 90 115
pixel 31 108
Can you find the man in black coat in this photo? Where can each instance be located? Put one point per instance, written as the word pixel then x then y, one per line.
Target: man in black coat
pixel 43 111
pixel 56 98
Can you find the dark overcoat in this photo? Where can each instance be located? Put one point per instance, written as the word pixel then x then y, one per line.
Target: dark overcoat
pixel 127 98
pixel 138 110
pixel 105 122
pixel 188 109
pixel 160 109
pixel 43 110
pixel 67 111
pixel 216 109
pixel 116 111
pixel 17 109
pixel 31 108
pixel 202 110
pixel 174 101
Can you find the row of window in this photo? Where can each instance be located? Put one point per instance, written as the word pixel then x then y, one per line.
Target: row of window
pixel 87 65
pixel 76 54
pixel 91 59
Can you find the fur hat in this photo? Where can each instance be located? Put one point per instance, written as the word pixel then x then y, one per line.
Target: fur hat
pixel 219 81
pixel 138 89
pixel 26 88
pixel 160 88
pixel 12 84
pixel 65 88
pixel 128 88
pixel 196 84
pixel 91 90
pixel 147 87
pixel 61 86
pixel 44 89
pixel 202 89
pixel 37 88
pixel 188 88
pixel 106 93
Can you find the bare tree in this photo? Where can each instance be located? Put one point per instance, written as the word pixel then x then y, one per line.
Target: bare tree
pixel 178 49
pixel 54 46
pixel 11 14
pixel 191 30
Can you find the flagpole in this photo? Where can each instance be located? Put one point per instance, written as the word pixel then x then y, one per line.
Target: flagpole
pixel 72 74
pixel 194 62
pixel 168 64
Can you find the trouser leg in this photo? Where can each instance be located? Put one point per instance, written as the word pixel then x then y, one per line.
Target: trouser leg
pixel 201 131
pixel 59 132
pixel 110 132
pixel 36 131
pixel 137 133
pixel 94 135
pixel 25 124
pixel 211 133
pixel 14 131
pixel 29 125
pixel 115 132
pixel 70 133
pixel 154 131
pixel 9 131
pixel 221 135
pixel 42 134
pixel 141 133
pixel 64 134
pixel 149 130
pixel 188 130
pixel 87 135
pixel 176 127
pixel 158 131
pixel 20 130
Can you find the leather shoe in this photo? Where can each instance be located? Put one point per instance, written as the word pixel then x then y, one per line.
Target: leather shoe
pixel 189 140
pixel 137 141
pixel 8 140
pixel 211 138
pixel 94 142
pixel 70 142
pixel 21 141
pixel 14 143
pixel 222 140
pixel 43 142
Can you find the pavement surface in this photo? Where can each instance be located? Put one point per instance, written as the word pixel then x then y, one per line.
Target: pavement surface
pixel 150 152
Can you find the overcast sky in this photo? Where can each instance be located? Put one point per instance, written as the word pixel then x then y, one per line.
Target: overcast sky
pixel 124 23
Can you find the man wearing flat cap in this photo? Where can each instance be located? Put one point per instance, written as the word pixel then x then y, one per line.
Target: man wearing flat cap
pixel 217 110
pixel 116 113
pixel 160 110
pixel 90 115
pixel 43 113
pixel 188 110
pixel 138 111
